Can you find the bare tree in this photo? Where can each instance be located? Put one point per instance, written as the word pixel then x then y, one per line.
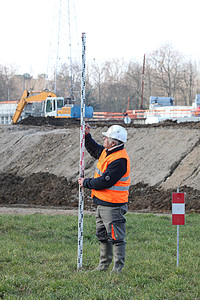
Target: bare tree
pixel 97 77
pixel 188 82
pixel 7 87
pixel 115 88
pixel 166 65
pixel 67 86
pixel 133 79
pixel 108 86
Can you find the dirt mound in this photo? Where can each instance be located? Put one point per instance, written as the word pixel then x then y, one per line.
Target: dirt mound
pixel 175 124
pixel 59 122
pixel 150 198
pixel 44 189
pixel 42 121
pixel 168 123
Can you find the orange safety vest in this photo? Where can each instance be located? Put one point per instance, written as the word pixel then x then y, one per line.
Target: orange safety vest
pixel 118 193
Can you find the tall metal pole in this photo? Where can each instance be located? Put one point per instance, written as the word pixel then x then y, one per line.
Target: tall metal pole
pixel 70 54
pixel 82 154
pixel 58 45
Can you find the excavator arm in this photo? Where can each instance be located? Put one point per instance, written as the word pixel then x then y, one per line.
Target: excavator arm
pixel 30 97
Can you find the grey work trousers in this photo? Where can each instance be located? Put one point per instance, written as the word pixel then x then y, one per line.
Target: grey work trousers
pixel 111 224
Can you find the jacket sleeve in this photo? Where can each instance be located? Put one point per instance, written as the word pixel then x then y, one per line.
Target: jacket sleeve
pixel 113 173
pixel 92 147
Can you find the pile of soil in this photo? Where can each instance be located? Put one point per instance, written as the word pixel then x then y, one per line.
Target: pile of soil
pixel 61 122
pixel 42 121
pixel 149 198
pixel 41 189
pixel 44 189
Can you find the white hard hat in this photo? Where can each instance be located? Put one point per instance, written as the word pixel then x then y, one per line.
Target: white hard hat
pixel 116 132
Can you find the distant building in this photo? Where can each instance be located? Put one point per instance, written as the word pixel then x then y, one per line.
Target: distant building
pixel 7 110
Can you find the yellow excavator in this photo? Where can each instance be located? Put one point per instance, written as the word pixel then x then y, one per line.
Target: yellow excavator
pixel 53 106
pixel 30 96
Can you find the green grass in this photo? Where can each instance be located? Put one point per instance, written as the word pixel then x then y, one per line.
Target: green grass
pixel 39 259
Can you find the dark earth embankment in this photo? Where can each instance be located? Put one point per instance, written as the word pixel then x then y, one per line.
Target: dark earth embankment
pixel 44 189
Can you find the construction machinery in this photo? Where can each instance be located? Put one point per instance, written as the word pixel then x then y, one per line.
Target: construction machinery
pixel 52 106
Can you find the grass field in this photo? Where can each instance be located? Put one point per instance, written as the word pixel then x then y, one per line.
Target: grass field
pixel 39 259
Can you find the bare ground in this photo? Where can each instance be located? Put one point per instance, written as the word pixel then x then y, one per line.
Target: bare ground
pixel 39 164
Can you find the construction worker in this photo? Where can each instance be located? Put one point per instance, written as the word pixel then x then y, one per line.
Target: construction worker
pixel 109 187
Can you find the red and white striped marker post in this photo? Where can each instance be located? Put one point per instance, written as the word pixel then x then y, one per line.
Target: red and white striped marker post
pixel 178 214
pixel 82 154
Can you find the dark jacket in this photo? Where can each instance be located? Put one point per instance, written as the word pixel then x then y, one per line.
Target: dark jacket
pixel 114 172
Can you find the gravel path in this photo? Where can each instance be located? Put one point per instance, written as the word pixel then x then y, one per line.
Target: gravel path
pixel 36 210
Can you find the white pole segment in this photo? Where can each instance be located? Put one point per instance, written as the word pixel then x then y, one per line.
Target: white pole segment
pixel 82 153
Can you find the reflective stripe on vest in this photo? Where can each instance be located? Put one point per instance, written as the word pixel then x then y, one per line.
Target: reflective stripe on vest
pixel 98 171
pixel 119 188
pixel 119 192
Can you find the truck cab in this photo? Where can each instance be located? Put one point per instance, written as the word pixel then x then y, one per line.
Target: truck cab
pixel 52 105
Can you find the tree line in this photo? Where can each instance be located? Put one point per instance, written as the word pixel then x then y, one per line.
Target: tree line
pixel 114 85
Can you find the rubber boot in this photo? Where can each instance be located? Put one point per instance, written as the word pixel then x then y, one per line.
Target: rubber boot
pixel 119 257
pixel 106 255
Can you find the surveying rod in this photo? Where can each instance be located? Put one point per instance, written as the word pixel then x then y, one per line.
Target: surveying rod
pixel 82 153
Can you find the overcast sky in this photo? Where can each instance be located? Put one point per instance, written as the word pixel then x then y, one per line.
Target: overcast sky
pixel 127 29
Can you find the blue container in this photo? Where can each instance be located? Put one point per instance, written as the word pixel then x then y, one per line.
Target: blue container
pixel 89 112
pixel 76 112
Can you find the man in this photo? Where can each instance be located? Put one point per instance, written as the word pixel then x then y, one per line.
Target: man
pixel 109 187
